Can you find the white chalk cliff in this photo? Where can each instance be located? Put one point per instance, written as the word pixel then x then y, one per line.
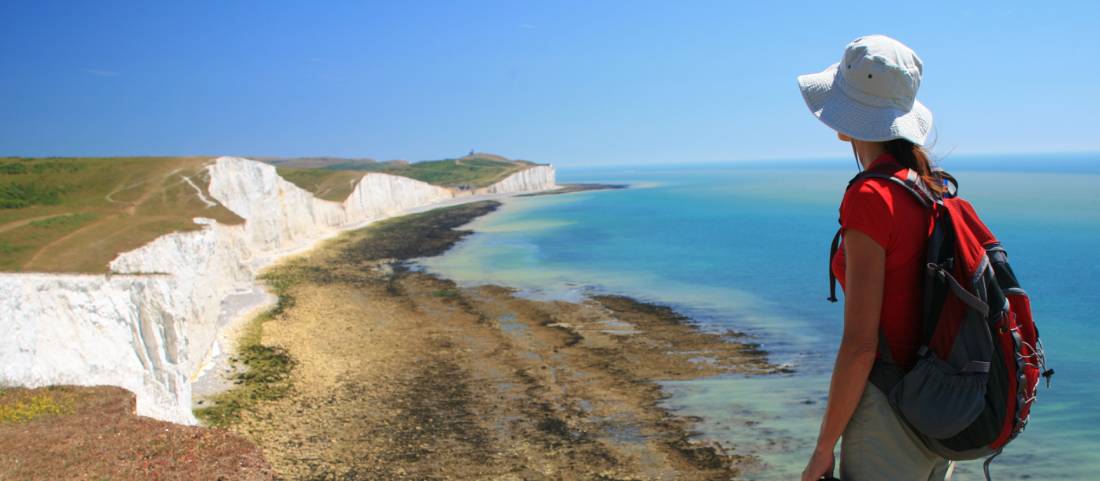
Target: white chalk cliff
pixel 531 179
pixel 149 325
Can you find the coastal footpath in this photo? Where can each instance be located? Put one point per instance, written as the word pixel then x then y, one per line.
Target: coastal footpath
pixel 153 322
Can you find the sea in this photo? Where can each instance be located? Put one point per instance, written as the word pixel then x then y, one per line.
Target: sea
pixel 744 246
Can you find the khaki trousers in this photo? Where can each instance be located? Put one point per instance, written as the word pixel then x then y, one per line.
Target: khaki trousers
pixel 879 446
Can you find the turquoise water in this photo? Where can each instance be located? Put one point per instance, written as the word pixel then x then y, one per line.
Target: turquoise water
pixel 744 246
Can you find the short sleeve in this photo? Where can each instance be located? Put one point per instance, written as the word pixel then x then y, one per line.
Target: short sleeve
pixel 866 209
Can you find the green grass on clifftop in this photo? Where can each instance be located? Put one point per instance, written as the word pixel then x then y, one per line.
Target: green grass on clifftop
pixel 470 172
pixel 328 184
pixel 333 179
pixel 76 214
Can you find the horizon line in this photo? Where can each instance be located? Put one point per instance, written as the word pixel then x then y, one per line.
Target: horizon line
pixel 949 155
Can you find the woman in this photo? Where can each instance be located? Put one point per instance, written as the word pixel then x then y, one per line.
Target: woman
pixel 869 99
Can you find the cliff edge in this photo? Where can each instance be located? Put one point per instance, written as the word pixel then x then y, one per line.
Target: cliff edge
pixel 149 324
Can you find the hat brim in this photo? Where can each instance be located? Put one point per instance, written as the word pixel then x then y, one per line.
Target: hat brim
pixel 860 121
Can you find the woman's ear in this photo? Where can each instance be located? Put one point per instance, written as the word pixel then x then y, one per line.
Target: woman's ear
pixel 843 138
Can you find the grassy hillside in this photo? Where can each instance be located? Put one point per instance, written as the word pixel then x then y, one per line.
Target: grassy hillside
pixel 76 214
pixel 333 179
pixel 470 171
pixel 328 184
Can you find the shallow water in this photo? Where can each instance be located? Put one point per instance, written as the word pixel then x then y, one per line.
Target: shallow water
pixel 744 246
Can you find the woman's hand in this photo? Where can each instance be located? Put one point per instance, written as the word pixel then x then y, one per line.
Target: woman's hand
pixel 820 465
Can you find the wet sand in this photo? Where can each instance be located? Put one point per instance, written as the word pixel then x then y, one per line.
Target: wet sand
pixel 401 374
pixel 569 188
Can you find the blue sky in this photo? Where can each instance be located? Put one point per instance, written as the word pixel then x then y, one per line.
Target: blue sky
pixel 589 82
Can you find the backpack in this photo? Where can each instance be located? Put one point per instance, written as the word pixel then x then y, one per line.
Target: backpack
pixel 977 372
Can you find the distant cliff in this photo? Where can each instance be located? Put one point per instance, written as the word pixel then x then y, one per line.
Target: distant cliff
pixel 150 324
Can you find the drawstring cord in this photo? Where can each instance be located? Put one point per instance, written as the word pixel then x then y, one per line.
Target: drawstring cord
pixel 859 165
pixel 985 465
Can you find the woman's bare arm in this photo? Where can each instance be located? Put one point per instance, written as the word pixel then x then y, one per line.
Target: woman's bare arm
pixel 865 270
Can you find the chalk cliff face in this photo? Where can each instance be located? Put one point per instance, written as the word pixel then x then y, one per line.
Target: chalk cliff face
pixel 277 213
pixel 539 177
pixel 148 326
pixel 384 195
pixel 281 215
pixel 92 330
pixel 144 329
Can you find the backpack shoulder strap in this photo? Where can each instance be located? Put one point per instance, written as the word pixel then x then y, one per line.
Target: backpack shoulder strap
pixel 911 183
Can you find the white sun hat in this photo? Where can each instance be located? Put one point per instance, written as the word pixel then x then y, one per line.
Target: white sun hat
pixel 871 94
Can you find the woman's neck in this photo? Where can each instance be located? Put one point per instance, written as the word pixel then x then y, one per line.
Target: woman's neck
pixel 867 152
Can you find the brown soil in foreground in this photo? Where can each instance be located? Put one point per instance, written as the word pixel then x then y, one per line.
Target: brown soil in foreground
pixel 91 433
pixel 400 374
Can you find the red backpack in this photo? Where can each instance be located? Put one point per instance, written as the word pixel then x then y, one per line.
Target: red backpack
pixel 977 371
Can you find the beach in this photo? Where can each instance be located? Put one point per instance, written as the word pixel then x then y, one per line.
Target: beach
pixel 397 373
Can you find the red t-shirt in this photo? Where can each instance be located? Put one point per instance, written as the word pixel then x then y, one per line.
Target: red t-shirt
pixel 889 215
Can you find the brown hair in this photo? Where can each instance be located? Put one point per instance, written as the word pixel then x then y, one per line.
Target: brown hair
pixel 915 157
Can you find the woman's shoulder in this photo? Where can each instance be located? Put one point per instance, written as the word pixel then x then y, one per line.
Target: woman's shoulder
pixel 870 205
pixel 876 192
pixel 868 192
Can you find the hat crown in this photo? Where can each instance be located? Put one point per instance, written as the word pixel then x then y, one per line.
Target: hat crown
pixel 881 72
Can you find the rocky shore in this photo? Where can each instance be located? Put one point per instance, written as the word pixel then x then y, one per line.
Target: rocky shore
pixel 371 369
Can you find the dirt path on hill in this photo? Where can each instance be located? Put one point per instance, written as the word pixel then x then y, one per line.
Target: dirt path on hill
pixel 27 266
pixel 400 374
pixel 22 222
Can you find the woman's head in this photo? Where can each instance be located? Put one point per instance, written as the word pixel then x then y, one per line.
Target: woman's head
pixel 870 99
pixel 871 94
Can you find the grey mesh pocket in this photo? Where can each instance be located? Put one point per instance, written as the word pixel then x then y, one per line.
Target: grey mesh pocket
pixel 939 400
